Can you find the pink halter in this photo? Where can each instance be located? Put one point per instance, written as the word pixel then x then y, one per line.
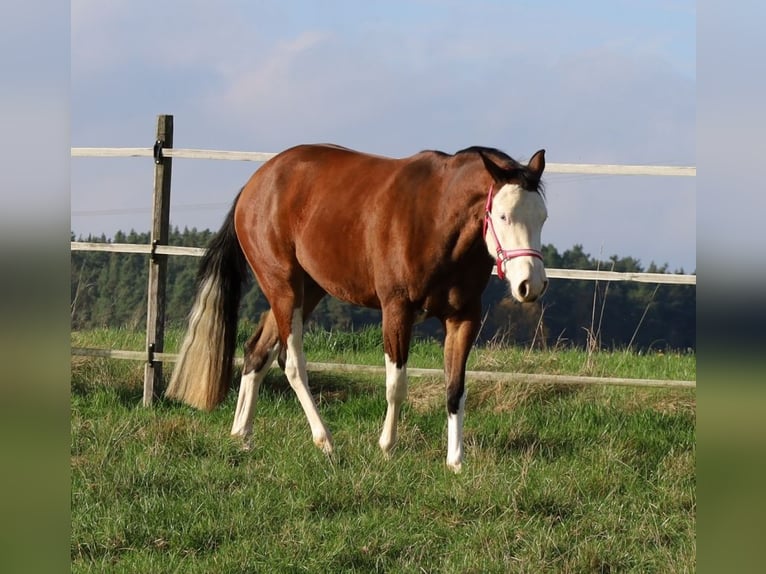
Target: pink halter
pixel 503 255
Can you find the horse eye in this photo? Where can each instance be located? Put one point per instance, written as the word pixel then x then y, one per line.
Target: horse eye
pixel 503 217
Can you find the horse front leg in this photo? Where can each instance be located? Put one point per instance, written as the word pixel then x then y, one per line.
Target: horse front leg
pixel 397 329
pixel 396 394
pixel 460 333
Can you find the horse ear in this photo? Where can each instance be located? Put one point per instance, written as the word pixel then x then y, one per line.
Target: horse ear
pixel 497 172
pixel 537 164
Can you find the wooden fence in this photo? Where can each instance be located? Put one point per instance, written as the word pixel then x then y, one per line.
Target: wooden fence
pixel 158 250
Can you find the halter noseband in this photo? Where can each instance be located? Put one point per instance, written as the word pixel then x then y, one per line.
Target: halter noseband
pixel 503 255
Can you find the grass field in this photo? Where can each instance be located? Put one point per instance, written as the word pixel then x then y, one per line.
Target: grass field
pixel 556 479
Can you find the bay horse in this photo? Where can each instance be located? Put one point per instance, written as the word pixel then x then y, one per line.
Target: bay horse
pixel 415 237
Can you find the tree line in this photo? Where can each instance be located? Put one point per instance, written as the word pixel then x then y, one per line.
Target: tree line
pixel 109 290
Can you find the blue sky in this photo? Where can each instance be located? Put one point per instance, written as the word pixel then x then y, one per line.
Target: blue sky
pixel 595 82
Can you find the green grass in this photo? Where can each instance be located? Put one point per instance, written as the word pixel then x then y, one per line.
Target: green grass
pixel 556 479
pixel 365 347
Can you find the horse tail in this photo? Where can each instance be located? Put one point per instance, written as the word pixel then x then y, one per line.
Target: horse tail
pixel 203 371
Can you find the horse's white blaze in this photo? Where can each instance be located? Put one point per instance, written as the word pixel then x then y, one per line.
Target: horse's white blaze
pixel 396 394
pixel 517 217
pixel 455 436
pixel 248 397
pixel 295 369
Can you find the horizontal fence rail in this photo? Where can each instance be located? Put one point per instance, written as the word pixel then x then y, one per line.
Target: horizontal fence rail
pixel 137 248
pixel 570 168
pixel 163 152
pixel 582 274
pixel 494 376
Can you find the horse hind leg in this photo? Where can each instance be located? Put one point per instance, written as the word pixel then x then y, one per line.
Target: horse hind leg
pixel 295 370
pixel 260 351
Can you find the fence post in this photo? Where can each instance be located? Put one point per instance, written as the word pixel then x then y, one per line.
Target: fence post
pixel 155 308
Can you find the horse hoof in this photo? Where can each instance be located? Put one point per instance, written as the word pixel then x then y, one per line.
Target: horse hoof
pixel 244 441
pixel 386 447
pixel 455 467
pixel 324 444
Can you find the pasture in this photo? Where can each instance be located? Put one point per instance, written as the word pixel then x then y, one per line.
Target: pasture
pixel 556 478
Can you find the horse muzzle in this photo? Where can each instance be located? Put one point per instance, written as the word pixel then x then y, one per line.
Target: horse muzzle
pixel 525 273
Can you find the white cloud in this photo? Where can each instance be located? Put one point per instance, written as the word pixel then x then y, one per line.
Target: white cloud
pixel 271 79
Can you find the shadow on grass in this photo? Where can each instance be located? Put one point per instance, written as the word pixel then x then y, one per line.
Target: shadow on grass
pixel 124 380
pixel 327 388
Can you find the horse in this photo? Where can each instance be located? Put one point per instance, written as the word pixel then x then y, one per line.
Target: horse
pixel 415 237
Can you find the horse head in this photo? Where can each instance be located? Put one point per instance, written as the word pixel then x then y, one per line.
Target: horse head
pixel 513 220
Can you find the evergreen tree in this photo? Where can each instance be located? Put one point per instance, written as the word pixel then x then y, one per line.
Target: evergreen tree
pixel 109 290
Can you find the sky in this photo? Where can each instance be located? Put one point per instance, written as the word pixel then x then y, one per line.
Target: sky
pixel 591 82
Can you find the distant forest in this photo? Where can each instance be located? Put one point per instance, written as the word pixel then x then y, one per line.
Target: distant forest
pixel 109 290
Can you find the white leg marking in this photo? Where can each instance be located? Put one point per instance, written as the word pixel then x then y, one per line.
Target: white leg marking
pixel 243 415
pixel 248 397
pixel 295 369
pixel 396 394
pixel 455 437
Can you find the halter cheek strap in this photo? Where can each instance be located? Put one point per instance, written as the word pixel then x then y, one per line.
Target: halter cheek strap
pixel 503 255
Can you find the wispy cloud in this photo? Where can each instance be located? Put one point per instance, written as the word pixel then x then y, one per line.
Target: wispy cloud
pixel 608 82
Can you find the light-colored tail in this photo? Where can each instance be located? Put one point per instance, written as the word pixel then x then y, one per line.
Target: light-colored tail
pixel 203 372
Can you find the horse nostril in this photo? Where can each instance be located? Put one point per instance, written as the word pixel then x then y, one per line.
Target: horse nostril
pixel 524 289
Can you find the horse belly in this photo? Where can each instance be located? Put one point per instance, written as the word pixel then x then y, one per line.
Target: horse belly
pixel 341 274
pixel 355 296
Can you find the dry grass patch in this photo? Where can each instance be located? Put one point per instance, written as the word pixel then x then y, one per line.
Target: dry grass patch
pixel 426 394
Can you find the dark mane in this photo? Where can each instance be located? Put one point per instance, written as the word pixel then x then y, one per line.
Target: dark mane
pixel 507 163
pixel 500 157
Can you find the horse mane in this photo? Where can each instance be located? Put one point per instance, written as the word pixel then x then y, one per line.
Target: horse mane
pixel 508 164
pixel 500 157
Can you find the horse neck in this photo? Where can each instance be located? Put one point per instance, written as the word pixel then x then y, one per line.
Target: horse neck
pixel 463 200
pixel 466 187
